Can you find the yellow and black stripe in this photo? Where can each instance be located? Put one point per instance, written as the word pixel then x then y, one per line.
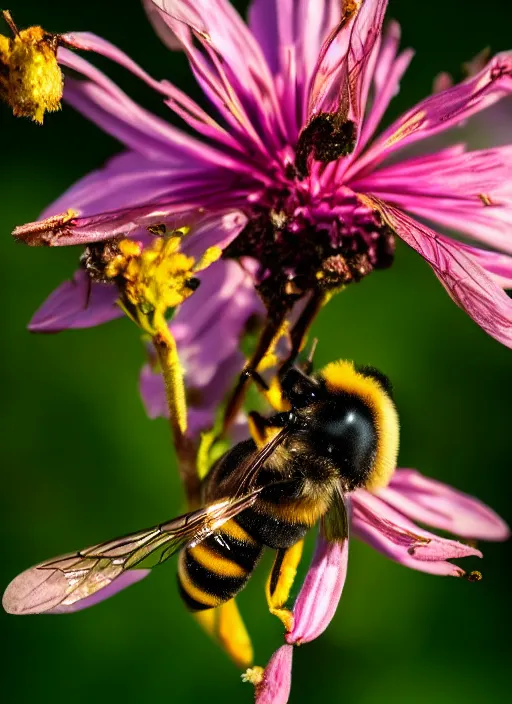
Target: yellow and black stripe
pixel 214 571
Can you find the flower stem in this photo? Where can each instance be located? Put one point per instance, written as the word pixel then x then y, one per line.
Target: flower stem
pixel 165 346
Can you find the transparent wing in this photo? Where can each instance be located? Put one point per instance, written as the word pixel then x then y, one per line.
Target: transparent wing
pixel 336 522
pixel 77 580
pixel 246 477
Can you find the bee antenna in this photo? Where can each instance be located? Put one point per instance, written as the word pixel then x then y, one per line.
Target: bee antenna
pixel 312 350
pixel 12 25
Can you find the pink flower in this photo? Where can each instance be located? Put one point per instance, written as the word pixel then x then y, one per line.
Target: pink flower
pixel 286 168
pixel 384 521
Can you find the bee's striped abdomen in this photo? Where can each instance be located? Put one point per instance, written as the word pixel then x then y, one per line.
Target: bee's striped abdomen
pixel 214 571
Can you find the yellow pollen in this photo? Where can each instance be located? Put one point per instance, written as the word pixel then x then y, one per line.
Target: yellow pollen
pixel 349 8
pixel 31 81
pixel 486 199
pixel 254 675
pixel 474 576
pixel 157 278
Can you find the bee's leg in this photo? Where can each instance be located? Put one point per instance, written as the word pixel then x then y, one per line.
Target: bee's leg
pixel 267 337
pixel 280 582
pixel 307 365
pixel 226 626
pixel 260 427
pixel 300 329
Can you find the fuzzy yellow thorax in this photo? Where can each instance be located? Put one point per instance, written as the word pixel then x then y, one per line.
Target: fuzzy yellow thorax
pixel 31 81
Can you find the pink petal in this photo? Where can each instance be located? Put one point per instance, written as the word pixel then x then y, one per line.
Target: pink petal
pixel 38 591
pixel 443 110
pixel 389 70
pixel 466 191
pixel 436 504
pixel 184 106
pixel 318 599
pixel 105 104
pixel 76 304
pixel 175 213
pixel 126 180
pixel 291 33
pixel 277 678
pixel 390 532
pixel 467 283
pixel 240 85
pixel 498 265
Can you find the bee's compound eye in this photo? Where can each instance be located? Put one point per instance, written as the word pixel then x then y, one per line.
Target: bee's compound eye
pixel 345 432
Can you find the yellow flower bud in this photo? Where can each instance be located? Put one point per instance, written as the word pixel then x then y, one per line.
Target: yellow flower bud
pixel 31 81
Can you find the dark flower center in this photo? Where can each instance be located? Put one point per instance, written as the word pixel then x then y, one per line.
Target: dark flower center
pixel 312 249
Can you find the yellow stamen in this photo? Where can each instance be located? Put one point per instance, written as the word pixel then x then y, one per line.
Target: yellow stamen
pixel 31 81
pixel 254 675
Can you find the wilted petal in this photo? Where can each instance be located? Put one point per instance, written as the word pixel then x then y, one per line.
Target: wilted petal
pixel 438 505
pixel 38 591
pixel 467 283
pixel 277 678
pixel 390 532
pixel 318 599
pixel 125 222
pixel 498 265
pixel 345 62
pixel 76 304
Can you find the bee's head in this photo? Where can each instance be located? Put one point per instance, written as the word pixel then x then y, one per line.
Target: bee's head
pixel 350 418
pixel 360 420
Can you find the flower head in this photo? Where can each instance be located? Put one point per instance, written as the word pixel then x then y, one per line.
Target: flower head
pixel 287 179
pixel 290 154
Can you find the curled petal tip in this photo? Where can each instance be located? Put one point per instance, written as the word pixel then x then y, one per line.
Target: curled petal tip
pixel 45 232
pixel 321 591
pixel 275 685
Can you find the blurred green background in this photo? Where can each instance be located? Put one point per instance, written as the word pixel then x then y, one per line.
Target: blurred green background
pixel 82 463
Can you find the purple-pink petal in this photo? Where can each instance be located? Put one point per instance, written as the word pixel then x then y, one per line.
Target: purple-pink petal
pixel 466 191
pixel 318 599
pixel 42 591
pixel 277 678
pixel 389 69
pixel 439 505
pixel 76 304
pixel 241 86
pixel 443 110
pixel 468 284
pixel 393 534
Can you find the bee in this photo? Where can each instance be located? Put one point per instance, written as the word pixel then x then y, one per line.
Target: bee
pixel 336 431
